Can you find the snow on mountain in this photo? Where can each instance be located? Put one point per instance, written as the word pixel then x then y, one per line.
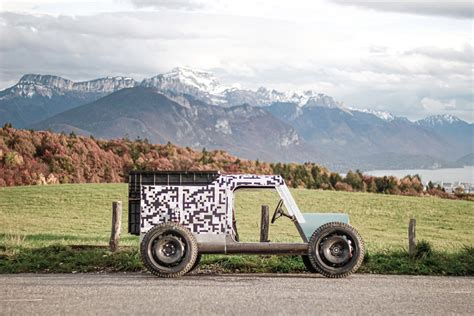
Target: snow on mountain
pixel 386 116
pixel 435 120
pixel 264 97
pixel 42 85
pixel 201 85
pixel 31 85
pixel 104 85
pixel 301 98
pixel 182 79
pixel 197 83
pixel 204 86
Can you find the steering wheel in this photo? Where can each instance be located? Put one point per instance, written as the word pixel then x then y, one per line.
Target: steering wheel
pixel 278 211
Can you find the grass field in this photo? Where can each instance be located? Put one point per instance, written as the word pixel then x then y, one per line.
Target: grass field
pixel 35 218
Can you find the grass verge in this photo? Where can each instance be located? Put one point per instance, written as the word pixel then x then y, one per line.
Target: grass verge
pixel 39 226
pixel 70 259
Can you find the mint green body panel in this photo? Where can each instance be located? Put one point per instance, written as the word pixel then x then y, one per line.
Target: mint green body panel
pixel 314 220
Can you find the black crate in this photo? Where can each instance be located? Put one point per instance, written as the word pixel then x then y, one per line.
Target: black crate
pixel 138 178
pixel 134 216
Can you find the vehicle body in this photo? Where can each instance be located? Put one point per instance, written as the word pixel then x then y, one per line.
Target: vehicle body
pixel 180 215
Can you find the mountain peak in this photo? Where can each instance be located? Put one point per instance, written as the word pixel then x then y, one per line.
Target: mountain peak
pixel 31 85
pixel 185 78
pixel 46 80
pixel 443 119
pixel 311 98
pixel 42 85
pixel 383 115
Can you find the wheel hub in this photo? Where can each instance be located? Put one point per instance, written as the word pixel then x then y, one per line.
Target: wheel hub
pixel 169 250
pixel 336 250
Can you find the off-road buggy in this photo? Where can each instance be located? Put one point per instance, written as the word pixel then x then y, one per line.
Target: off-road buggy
pixel 181 215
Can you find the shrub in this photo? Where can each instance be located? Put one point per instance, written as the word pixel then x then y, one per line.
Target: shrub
pixel 341 186
pixel 423 249
pixel 354 179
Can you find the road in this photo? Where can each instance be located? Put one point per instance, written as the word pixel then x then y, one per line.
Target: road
pixel 242 294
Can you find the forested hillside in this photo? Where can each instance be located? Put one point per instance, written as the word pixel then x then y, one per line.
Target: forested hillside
pixel 31 157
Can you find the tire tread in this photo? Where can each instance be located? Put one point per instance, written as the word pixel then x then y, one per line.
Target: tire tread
pixel 332 274
pixel 193 248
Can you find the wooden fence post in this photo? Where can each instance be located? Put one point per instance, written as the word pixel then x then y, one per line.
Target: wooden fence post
pixel 116 225
pixel 412 237
pixel 264 224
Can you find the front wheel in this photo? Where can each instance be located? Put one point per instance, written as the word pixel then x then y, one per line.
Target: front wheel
pixel 307 263
pixel 169 250
pixel 336 250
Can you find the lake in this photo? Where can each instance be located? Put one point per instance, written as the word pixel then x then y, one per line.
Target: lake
pixel 465 174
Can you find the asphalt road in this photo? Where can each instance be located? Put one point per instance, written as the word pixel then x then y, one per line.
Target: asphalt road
pixel 240 294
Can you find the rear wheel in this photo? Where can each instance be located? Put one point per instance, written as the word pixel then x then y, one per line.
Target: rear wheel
pixel 169 250
pixel 196 263
pixel 336 250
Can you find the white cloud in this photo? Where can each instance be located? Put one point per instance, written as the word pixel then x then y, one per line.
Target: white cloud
pixel 364 58
pixel 463 55
pixel 448 8
pixel 169 4
pixel 436 106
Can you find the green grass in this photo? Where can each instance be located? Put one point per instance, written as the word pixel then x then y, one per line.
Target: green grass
pixel 381 219
pixel 39 226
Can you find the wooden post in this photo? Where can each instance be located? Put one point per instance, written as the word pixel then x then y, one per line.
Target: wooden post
pixel 116 225
pixel 264 224
pixel 412 237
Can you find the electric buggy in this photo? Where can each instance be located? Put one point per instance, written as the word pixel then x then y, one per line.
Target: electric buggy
pixel 180 215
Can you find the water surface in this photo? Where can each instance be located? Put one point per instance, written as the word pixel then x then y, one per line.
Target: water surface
pixel 465 174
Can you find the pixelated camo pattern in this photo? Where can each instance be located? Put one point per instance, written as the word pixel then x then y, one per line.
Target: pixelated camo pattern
pixel 203 209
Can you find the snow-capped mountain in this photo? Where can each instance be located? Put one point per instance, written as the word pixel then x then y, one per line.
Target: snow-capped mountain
pixel 386 116
pixel 37 97
pixel 46 86
pixel 204 86
pixel 437 120
pixel 265 97
pixel 450 127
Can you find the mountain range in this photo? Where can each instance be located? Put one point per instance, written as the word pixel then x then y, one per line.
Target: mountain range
pixel 191 108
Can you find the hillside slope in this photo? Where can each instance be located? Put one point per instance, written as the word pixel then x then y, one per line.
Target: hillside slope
pixel 139 112
pixel 344 133
pixel 29 157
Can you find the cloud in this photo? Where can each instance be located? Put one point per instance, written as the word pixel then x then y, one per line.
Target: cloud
pixel 351 60
pixel 434 105
pixel 168 4
pixel 464 55
pixel 452 9
pixel 459 107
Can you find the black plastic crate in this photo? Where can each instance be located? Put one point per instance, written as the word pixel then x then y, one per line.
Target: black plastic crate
pixel 134 216
pixel 138 178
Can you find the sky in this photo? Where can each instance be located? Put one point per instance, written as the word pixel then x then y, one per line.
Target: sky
pixel 413 58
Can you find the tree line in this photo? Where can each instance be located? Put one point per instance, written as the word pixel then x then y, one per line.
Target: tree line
pixel 42 157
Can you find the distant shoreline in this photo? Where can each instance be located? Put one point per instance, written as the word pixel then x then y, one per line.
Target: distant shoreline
pixel 462 175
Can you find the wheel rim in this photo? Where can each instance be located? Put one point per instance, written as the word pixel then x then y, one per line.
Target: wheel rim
pixel 336 249
pixel 167 250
